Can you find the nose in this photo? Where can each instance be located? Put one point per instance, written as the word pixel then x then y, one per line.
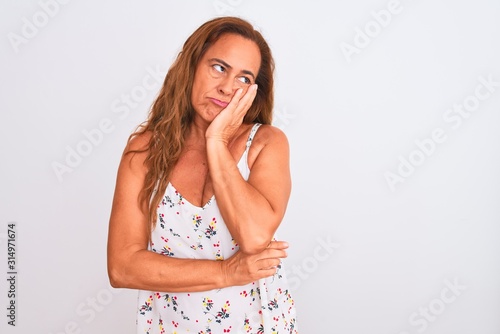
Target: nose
pixel 227 86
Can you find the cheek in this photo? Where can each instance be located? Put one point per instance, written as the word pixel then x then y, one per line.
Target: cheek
pixel 196 92
pixel 197 83
pixel 199 89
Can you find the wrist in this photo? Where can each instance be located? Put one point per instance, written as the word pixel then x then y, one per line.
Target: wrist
pixel 216 140
pixel 216 146
pixel 223 274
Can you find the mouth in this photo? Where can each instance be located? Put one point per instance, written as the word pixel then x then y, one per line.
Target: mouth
pixel 219 102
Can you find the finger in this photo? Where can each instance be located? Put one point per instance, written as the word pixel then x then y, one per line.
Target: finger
pixel 267 272
pixel 233 104
pixel 273 254
pixel 247 99
pixel 240 103
pixel 269 263
pixel 278 245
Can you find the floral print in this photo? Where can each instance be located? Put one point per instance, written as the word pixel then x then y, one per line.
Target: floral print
pixel 186 231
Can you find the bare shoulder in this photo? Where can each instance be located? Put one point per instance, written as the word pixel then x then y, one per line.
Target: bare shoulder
pixel 137 148
pixel 132 164
pixel 139 142
pixel 269 136
pixel 269 141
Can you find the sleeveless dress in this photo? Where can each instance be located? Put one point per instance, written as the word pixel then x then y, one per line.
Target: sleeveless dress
pixel 184 230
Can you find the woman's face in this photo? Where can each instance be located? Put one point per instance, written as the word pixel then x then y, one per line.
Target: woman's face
pixel 230 63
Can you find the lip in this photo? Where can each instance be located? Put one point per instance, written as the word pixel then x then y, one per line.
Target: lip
pixel 219 102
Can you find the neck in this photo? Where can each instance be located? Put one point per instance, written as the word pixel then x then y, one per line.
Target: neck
pixel 196 133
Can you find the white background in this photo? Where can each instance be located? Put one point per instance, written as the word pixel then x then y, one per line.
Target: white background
pixel 391 252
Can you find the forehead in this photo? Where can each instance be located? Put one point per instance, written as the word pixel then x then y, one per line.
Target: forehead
pixel 240 53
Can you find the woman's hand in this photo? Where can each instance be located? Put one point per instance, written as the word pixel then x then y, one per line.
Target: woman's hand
pixel 227 122
pixel 241 268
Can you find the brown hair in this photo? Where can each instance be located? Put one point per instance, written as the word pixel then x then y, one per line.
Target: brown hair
pixel 172 112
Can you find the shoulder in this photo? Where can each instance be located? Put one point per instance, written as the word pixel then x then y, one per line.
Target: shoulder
pixel 139 142
pixel 269 141
pixel 136 152
pixel 270 136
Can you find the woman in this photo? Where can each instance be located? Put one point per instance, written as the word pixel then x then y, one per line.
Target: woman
pixel 191 227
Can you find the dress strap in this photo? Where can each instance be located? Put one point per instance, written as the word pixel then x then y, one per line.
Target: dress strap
pixel 243 162
pixel 255 127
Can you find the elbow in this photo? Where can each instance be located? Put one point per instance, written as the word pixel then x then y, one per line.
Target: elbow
pixel 116 276
pixel 122 269
pixel 114 279
pixel 257 241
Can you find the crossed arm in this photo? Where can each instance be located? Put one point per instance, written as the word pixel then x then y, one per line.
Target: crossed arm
pixel 252 211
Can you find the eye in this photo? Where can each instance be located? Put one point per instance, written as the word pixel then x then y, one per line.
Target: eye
pixel 245 80
pixel 218 68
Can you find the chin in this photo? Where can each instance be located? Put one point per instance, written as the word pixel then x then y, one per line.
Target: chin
pixel 210 114
pixel 207 112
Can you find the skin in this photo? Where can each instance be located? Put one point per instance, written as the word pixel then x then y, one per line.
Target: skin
pixel 223 91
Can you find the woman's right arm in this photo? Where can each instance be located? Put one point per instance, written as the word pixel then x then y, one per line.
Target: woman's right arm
pixel 132 265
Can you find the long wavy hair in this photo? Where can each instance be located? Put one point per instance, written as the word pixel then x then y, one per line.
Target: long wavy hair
pixel 172 112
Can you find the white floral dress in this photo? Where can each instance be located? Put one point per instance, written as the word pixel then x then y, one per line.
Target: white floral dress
pixel 184 230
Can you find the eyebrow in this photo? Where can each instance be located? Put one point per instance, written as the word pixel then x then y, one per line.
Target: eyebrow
pixel 229 66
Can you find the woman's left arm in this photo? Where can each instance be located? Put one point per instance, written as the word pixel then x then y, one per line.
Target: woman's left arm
pixel 253 209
